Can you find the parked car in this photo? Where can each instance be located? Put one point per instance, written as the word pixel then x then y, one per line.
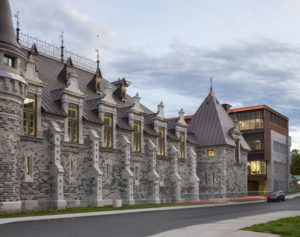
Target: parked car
pixel 276 196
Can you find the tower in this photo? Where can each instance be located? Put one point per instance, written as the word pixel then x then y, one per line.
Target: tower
pixel 12 92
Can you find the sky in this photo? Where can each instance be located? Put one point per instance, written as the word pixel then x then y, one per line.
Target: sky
pixel 169 49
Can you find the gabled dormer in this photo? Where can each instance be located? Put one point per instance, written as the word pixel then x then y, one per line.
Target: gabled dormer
pixel 161 128
pixel 181 133
pixel 136 121
pixel 122 85
pixel 33 100
pixel 107 109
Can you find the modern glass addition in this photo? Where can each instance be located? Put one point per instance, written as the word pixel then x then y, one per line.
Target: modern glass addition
pixel 161 141
pixel 255 144
pixel 73 122
pixel 181 144
pixel 137 136
pixel 108 130
pixel 251 124
pixel 29 115
pixel 258 167
pixel 9 61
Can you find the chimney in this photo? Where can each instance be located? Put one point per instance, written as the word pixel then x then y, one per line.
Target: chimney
pixel 226 107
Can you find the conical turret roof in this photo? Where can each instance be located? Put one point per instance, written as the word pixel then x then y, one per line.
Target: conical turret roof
pixel 7 32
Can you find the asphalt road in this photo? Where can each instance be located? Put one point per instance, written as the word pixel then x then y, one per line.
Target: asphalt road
pixel 141 224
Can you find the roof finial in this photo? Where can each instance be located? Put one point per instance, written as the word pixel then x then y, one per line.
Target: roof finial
pixel 18 26
pixel 62 47
pixel 98 58
pixel 211 86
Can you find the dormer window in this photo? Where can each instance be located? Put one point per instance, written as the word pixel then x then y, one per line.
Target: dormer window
pixel 29 115
pixel 181 144
pixel 161 141
pixel 137 136
pixel 73 123
pixel 108 130
pixel 9 61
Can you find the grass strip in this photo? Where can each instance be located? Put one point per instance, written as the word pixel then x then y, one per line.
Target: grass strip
pixel 284 227
pixel 72 210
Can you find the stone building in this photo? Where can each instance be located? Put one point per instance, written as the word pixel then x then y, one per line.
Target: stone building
pixel 69 137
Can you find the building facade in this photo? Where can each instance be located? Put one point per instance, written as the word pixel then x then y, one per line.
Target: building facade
pixel 69 137
pixel 267 133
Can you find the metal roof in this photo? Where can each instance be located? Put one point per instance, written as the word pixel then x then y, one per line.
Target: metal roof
pixel 212 125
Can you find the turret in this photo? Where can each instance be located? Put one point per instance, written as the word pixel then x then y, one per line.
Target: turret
pixel 12 93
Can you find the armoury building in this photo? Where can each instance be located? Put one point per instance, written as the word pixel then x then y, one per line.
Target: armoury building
pixel 69 137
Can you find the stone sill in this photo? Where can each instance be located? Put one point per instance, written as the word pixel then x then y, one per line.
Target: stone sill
pixel 182 160
pixel 138 154
pixel 162 157
pixel 70 144
pixel 32 138
pixel 109 149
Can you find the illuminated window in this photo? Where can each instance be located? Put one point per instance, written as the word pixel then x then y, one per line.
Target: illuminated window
pixel 9 61
pixel 72 167
pixel 257 168
pixel 29 115
pixel 73 122
pixel 181 144
pixel 137 136
pixel 255 145
pixel 161 141
pixel 251 124
pixel 28 166
pixel 211 153
pixel 108 130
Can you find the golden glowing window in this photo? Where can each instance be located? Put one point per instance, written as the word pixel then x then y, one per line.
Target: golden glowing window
pixel 108 130
pixel 161 141
pixel 251 124
pixel 181 144
pixel 211 153
pixel 28 165
pixel 255 144
pixel 257 168
pixel 137 136
pixel 29 115
pixel 73 122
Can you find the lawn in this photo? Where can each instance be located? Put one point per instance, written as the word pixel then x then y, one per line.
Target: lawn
pixel 90 209
pixel 283 227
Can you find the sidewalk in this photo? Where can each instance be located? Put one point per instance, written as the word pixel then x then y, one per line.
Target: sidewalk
pixel 228 228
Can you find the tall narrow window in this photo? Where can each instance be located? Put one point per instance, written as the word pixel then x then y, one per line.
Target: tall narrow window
pixel 108 130
pixel 28 165
pixel 73 122
pixel 107 171
pixel 72 166
pixel 237 151
pixel 137 136
pixel 181 144
pixel 161 141
pixel 29 115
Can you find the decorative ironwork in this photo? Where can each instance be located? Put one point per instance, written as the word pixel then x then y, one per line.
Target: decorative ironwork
pixel 49 49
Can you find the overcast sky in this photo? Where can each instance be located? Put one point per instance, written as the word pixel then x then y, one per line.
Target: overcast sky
pixel 169 49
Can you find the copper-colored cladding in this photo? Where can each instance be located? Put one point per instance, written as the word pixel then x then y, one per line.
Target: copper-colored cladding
pixel 272 121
